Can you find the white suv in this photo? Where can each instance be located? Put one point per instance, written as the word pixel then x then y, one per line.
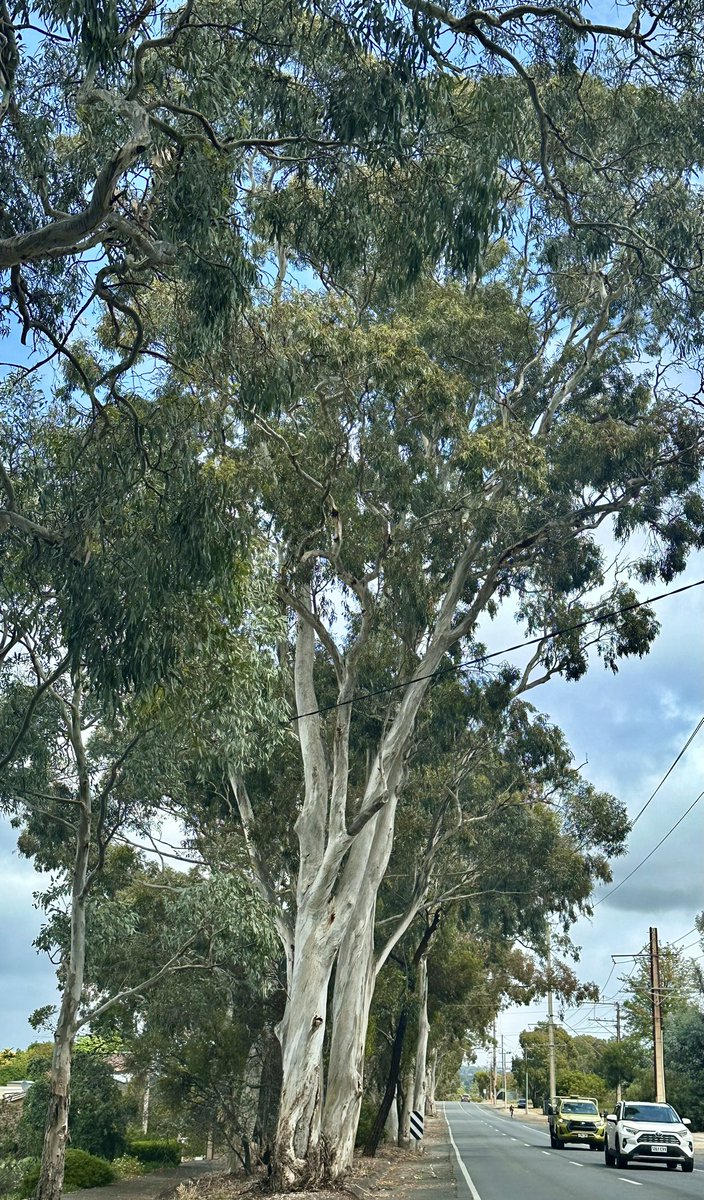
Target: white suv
pixel 639 1131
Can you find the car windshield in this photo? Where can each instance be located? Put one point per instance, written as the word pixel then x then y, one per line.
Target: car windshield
pixel 580 1106
pixel 660 1113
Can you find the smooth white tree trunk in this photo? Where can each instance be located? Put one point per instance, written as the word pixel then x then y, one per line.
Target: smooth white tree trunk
pixel 404 1123
pixel 430 1085
pixel 352 995
pixel 422 1039
pixel 391 1126
pixel 297 1148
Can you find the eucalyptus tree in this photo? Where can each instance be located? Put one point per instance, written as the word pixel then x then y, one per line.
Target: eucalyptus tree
pixel 493 845
pixel 97 608
pixel 495 822
pixel 429 461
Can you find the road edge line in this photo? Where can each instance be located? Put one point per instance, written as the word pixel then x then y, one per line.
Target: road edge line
pixel 465 1173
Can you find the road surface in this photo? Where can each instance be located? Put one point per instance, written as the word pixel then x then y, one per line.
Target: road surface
pixel 504 1159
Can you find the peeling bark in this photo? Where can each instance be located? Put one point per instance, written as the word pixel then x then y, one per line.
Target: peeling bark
pixel 352 996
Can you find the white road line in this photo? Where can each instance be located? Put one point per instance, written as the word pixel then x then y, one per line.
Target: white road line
pixel 545 1152
pixel 513 1139
pixel 465 1173
pixel 631 1181
pixel 527 1145
pixel 574 1164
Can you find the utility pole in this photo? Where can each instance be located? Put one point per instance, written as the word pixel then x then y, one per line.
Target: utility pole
pixel 525 1055
pixel 493 1068
pixel 655 999
pixel 618 1043
pixel 503 1069
pixel 551 1028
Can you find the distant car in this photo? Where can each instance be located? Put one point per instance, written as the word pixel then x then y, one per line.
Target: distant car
pixel 638 1131
pixel 465 1099
pixel 521 1104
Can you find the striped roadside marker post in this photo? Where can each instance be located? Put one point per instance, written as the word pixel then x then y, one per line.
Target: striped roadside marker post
pixel 417 1125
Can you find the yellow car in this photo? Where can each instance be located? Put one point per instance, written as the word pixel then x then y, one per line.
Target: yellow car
pixel 576 1121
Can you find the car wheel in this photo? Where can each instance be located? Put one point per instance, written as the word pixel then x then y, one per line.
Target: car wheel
pixel 593 1147
pixel 559 1144
pixel 553 1141
pixel 621 1160
pixel 609 1156
pixel 688 1165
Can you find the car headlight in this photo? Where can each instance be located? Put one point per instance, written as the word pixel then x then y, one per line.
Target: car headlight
pixel 630 1129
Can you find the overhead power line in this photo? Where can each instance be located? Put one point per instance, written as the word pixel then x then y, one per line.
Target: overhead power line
pixel 480 659
pixel 652 852
pixel 683 936
pixel 669 771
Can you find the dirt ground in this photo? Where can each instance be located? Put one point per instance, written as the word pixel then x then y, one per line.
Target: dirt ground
pixel 401 1174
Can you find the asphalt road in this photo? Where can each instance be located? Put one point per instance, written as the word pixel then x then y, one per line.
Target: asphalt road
pixel 504 1159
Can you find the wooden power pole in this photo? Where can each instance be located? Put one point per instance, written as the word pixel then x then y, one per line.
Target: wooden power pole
pixel 552 1074
pixel 656 1005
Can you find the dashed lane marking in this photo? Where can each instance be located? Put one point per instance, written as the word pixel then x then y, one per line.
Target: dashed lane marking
pixel 545 1152
pixel 631 1181
pixel 574 1164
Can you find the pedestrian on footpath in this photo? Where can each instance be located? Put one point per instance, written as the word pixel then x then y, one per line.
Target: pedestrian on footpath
pixel 510 1109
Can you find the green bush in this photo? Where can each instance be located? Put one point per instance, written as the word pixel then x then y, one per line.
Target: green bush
pixel 97 1117
pixel 83 1170
pixel 156 1150
pixel 12 1173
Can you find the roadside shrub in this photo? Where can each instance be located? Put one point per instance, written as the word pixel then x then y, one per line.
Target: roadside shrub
pixel 83 1170
pixel 12 1173
pixel 128 1167
pixel 165 1151
pixel 96 1119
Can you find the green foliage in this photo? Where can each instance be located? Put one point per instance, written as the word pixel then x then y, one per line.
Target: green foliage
pixel 26 1064
pixel 684 1063
pixel 10 1115
pixel 83 1170
pixel 678 978
pixel 12 1171
pixel 96 1120
pixel 581 1083
pixel 155 1150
